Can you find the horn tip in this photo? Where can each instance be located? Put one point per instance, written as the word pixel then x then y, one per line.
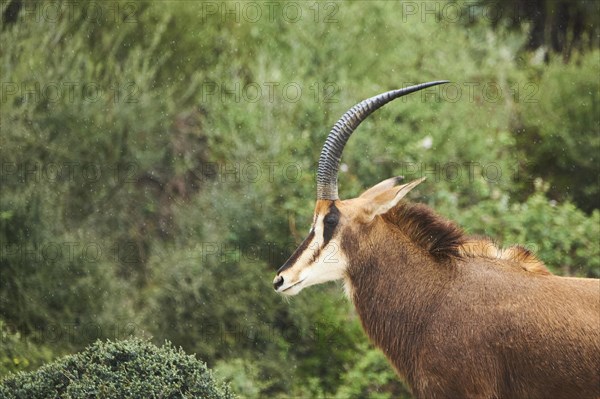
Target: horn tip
pixel 439 82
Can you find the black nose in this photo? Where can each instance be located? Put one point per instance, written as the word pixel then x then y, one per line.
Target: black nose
pixel 278 282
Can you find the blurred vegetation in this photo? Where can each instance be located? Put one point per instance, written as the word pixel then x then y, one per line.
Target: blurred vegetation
pixel 561 27
pixel 19 353
pixel 158 167
pixel 558 136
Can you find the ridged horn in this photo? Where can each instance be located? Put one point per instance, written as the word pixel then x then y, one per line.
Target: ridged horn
pixel 329 161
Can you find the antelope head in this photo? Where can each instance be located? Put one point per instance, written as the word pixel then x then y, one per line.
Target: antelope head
pixel 323 255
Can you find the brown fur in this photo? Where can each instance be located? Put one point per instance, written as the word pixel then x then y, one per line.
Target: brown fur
pixel 460 319
pixel 322 207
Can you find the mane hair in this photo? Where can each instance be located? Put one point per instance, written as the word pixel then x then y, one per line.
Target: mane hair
pixel 526 259
pixel 438 236
pixel 443 239
pixel 484 247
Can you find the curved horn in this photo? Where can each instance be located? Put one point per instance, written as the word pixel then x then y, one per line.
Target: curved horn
pixel 329 161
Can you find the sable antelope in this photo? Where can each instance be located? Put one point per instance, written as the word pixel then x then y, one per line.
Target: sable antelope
pixel 457 317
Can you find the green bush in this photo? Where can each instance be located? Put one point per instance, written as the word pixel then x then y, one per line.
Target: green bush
pixel 371 377
pixel 120 369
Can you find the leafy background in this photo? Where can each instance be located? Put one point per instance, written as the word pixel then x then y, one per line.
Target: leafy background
pixel 158 165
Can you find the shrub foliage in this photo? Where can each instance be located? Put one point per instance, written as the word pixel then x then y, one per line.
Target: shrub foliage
pixel 122 369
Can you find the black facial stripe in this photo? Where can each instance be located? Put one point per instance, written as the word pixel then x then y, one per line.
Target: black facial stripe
pixel 316 255
pixel 298 252
pixel 330 222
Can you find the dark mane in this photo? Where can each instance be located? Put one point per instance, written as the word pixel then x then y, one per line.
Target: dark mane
pixel 438 236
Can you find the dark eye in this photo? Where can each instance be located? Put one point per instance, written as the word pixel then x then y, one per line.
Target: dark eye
pixel 331 220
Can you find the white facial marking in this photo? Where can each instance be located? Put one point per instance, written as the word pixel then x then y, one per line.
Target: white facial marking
pixel 316 265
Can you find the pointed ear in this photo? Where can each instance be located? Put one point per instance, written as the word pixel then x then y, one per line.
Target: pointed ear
pixel 382 186
pixel 385 200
